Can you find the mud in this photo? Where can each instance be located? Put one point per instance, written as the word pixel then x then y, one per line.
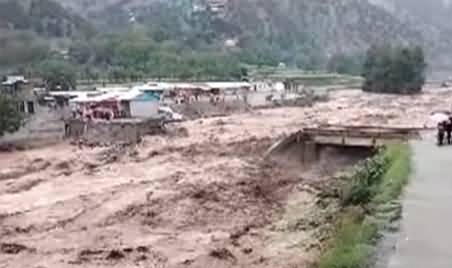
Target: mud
pixel 203 197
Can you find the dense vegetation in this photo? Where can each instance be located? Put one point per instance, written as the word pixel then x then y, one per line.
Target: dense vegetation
pixel 370 201
pixel 32 31
pixel 58 74
pixel 10 119
pixel 134 55
pixel 389 69
pixel 299 33
pixel 20 49
pixel 172 39
pixel 123 57
pixel 45 17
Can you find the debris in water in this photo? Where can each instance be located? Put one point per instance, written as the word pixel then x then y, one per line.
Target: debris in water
pixel 115 255
pixel 12 248
pixel 223 254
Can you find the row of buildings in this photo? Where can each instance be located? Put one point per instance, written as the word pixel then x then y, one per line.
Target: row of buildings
pixel 106 114
pixel 148 100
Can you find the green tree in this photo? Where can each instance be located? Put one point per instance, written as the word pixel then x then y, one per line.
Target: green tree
pixel 389 69
pixel 80 52
pixel 58 74
pixel 10 119
pixel 90 74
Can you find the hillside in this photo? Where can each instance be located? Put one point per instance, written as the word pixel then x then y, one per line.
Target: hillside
pixel 432 20
pixel 301 32
pixel 435 12
pixel 31 29
pixel 348 26
pixel 44 17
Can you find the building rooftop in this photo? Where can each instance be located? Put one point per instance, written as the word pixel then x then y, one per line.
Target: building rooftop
pixel 13 79
pixel 228 85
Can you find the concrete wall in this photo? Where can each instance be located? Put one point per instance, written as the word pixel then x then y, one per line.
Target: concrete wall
pixel 112 132
pixel 104 132
pixel 261 98
pixel 269 97
pixel 206 109
pixel 45 125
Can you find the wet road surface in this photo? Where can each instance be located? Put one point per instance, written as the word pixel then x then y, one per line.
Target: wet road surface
pixel 426 231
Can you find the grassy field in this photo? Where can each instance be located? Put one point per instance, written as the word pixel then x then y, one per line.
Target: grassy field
pixel 308 78
pixel 357 229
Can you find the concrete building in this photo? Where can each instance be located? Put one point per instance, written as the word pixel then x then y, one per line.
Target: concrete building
pixel 43 123
pixel 141 104
pixel 19 88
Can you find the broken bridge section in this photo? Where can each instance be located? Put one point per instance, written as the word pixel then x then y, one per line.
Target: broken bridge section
pixel 309 144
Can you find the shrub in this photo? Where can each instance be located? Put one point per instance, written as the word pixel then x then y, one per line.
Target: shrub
pixel 363 184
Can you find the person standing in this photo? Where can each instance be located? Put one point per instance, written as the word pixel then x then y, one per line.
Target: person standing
pixel 449 130
pixel 441 130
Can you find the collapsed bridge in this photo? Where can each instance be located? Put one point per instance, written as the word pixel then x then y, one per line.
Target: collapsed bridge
pixel 309 142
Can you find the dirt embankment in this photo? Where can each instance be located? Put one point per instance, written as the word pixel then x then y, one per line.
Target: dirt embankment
pixel 202 197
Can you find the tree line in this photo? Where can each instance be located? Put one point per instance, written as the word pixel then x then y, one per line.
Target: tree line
pixel 130 56
pixel 394 69
pixel 134 55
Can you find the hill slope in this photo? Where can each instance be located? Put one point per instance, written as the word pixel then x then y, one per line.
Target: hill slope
pixel 45 17
pixel 290 30
pixel 30 29
pixel 435 12
pixel 298 32
pixel 432 20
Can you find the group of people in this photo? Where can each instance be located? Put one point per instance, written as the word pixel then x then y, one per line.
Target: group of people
pixel 445 132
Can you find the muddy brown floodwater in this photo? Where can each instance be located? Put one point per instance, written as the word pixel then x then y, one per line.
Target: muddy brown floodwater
pixel 201 197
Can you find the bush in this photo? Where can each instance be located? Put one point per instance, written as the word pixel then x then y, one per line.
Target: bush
pixel 363 184
pixel 390 69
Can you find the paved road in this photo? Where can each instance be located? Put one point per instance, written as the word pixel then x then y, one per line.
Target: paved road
pixel 426 233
